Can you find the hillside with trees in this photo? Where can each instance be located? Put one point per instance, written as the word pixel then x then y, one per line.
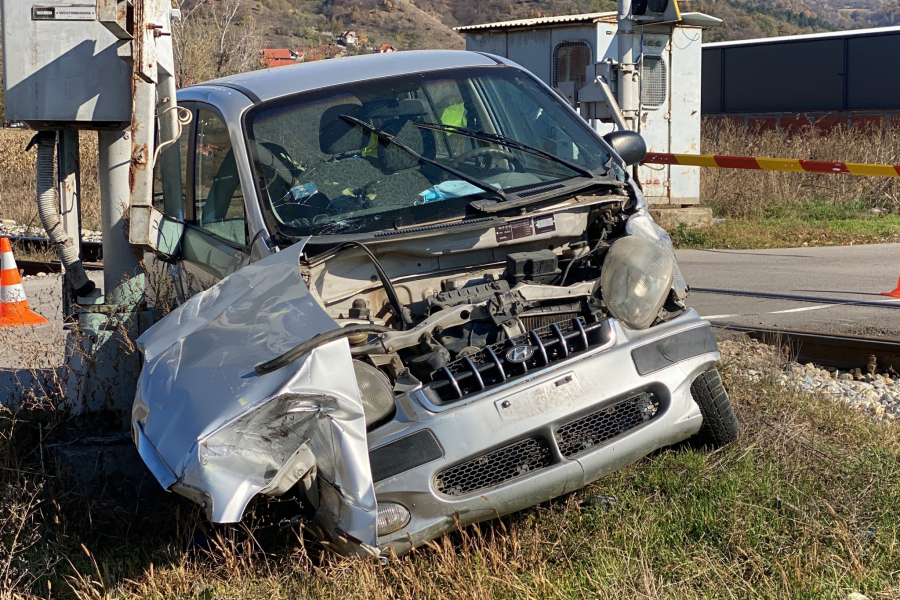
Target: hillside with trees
pixel 412 24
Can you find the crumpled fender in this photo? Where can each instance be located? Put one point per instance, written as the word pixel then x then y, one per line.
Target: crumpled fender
pixel 213 430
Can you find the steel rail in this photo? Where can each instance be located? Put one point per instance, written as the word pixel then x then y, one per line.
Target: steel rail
pixel 90 250
pixel 841 350
pixel 797 298
pixel 33 267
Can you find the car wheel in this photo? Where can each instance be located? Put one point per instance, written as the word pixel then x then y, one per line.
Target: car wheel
pixel 720 425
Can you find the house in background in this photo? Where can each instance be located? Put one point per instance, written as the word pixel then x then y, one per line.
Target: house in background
pixel 279 57
pixel 384 49
pixel 349 38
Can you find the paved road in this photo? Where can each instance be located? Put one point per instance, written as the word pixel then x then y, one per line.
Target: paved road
pixel 852 272
pixel 25 351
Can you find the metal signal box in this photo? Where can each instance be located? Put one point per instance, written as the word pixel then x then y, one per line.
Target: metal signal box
pixel 570 53
pixel 61 66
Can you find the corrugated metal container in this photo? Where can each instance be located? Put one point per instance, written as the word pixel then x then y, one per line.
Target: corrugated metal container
pixel 829 72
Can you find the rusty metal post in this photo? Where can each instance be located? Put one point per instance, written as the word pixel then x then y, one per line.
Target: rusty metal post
pixel 69 184
pixel 142 152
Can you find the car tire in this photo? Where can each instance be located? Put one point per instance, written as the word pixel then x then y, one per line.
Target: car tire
pixel 720 425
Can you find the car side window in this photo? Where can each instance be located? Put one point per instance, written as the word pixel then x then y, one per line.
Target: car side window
pixel 219 199
pixel 170 182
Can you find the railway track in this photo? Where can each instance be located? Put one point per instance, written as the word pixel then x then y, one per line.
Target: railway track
pixel 33 267
pixel 90 251
pixel 840 350
pixel 798 298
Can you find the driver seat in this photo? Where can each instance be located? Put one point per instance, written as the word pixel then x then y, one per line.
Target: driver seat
pixel 405 178
pixel 338 137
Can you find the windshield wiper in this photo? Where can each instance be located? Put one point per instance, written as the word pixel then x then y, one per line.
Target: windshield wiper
pixel 390 138
pixel 509 142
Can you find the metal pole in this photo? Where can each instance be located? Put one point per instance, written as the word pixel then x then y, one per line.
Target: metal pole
pixel 625 37
pixel 69 184
pixel 170 159
pixel 122 273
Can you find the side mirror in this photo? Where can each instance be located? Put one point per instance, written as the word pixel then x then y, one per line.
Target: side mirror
pixel 630 145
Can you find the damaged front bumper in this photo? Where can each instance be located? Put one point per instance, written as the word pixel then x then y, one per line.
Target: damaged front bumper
pixel 542 435
pixel 211 429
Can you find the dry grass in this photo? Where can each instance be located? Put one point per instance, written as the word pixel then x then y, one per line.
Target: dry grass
pixel 803 505
pixel 810 223
pixel 768 209
pixel 737 193
pixel 17 179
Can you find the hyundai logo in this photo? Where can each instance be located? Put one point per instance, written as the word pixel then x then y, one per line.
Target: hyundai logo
pixel 519 354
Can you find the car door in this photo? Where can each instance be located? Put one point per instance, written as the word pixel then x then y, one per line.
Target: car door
pixel 215 242
pixel 206 199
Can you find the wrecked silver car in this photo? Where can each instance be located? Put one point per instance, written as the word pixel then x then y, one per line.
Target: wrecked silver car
pixel 419 291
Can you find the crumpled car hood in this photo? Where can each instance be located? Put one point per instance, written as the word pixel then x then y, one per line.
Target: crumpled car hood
pixel 211 429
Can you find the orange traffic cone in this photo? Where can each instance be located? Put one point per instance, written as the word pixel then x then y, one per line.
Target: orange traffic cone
pixel 895 293
pixel 13 304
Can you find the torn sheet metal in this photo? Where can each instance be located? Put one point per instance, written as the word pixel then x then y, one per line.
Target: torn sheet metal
pixel 213 430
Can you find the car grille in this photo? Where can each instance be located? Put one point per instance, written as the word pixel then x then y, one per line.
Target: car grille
pixel 495 467
pixel 491 365
pixel 603 425
pixel 536 320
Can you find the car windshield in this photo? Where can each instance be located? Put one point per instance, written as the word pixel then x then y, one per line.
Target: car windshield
pixel 406 150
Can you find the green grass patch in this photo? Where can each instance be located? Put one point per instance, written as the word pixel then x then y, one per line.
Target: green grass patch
pixel 810 223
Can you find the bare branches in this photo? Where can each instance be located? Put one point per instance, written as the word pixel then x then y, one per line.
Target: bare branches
pixel 214 39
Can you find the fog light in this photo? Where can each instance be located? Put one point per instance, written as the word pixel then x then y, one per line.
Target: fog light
pixel 391 517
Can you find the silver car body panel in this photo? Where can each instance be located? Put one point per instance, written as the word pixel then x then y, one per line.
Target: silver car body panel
pixel 267 84
pixel 538 405
pixel 211 429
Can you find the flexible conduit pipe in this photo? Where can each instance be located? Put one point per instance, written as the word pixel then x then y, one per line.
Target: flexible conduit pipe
pixel 49 213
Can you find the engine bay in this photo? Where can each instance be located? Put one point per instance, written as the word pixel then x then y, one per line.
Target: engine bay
pixel 454 332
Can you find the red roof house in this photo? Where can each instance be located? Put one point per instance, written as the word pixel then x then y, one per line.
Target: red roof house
pixel 278 57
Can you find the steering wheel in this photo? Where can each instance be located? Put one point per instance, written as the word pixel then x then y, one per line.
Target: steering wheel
pixel 279 169
pixel 489 154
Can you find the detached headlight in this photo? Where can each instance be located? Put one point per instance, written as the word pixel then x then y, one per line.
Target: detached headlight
pixel 375 391
pixel 635 281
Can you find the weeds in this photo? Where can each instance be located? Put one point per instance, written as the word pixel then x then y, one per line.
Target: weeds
pixel 17 179
pixel 803 505
pixel 686 236
pixel 808 223
pixel 737 193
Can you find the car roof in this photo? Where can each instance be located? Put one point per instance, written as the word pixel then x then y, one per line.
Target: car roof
pixel 266 84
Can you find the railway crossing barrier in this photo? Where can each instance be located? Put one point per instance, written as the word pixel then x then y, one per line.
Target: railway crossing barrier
pixel 772 164
pixel 792 165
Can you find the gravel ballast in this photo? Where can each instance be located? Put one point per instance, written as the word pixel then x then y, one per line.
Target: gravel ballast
pixel 87 235
pixel 876 395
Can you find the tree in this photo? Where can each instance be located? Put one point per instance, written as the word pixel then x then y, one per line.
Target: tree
pixel 214 38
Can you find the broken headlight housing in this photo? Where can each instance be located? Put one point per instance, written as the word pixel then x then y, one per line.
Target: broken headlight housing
pixel 635 281
pixel 375 391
